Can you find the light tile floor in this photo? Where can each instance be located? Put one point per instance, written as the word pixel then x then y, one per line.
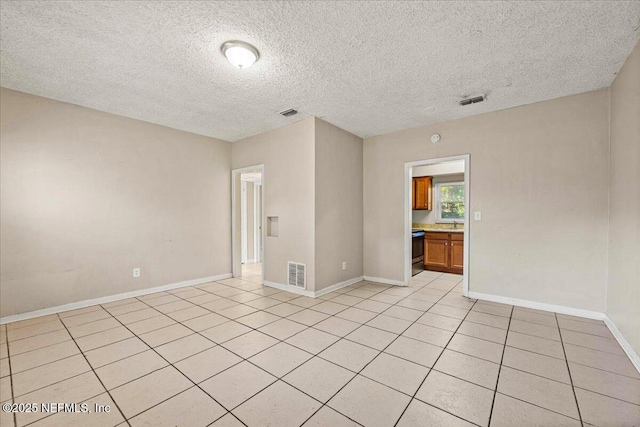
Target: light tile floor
pixel 234 352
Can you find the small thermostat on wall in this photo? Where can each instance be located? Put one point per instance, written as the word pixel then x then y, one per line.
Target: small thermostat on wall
pixel 435 138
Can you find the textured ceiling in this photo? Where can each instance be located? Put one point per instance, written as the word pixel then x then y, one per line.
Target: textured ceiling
pixel 368 67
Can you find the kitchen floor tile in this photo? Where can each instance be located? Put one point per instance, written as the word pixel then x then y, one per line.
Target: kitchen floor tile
pixel 249 344
pixel 420 414
pixel 143 393
pixel 461 398
pixel 509 412
pixel 206 364
pixel 184 347
pixel 438 321
pixel 278 405
pixel 607 383
pixel 535 329
pixel 599 410
pixel 349 355
pixel 114 352
pixel 319 378
pixel 389 324
pixel 237 384
pixel 190 408
pixel 396 373
pixel 282 329
pixel 415 351
pixel 337 326
pixel 327 417
pixel 258 319
pixel 369 403
pixel 312 340
pixel 308 317
pixel 280 359
pixel 543 392
pixel 372 337
pixel 535 344
pixel 468 368
pixel 225 331
pixel 601 360
pixel 428 334
pixel 45 375
pixel 115 374
pixel 42 356
pixel 538 364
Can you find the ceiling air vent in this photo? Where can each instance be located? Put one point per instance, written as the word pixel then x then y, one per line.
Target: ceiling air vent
pixel 297 275
pixel 288 113
pixel 474 100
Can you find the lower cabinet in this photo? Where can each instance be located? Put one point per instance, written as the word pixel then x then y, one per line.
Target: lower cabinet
pixel 444 252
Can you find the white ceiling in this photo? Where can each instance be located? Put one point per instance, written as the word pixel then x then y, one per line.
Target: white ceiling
pixel 368 67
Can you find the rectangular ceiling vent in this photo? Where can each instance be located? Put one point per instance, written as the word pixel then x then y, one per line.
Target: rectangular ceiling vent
pixel 297 275
pixel 474 100
pixel 288 113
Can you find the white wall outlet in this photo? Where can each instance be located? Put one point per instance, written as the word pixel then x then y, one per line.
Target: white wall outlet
pixel 136 272
pixel 344 265
pixel 477 216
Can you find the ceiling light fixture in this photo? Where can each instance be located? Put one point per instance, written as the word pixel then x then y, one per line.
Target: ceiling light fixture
pixel 240 54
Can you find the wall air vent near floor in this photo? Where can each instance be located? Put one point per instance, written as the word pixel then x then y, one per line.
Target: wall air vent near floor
pixel 297 275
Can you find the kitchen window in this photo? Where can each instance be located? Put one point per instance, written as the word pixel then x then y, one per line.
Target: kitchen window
pixel 450 202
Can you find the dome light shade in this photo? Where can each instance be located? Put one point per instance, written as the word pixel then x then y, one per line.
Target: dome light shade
pixel 240 54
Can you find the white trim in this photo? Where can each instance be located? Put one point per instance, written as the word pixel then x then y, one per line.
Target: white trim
pixel 436 193
pixel 111 298
pixel 408 220
pixel 236 264
pixel 288 288
pixel 313 294
pixel 257 187
pixel 626 346
pixel 244 238
pixel 337 286
pixel 385 281
pixel 539 305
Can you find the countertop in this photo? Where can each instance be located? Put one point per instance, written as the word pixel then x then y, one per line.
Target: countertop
pixel 440 230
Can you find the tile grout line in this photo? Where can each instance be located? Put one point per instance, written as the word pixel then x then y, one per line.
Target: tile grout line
pixel 504 347
pixel 573 389
pixel 433 368
pixel 382 351
pixel 96 375
pixel 174 367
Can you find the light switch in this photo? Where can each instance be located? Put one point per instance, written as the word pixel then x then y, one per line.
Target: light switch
pixel 477 215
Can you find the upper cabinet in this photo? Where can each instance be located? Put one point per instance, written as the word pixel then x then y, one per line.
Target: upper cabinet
pixel 422 198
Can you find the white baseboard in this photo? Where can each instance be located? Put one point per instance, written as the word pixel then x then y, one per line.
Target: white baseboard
pixel 313 294
pixel 288 288
pixel 111 298
pixel 249 261
pixel 385 281
pixel 626 346
pixel 538 305
pixel 337 286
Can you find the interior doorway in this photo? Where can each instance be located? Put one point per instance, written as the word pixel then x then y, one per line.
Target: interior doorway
pixel 247 223
pixel 433 194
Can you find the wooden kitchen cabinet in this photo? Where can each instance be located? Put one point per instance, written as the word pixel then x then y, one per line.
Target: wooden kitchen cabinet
pixel 444 252
pixel 422 197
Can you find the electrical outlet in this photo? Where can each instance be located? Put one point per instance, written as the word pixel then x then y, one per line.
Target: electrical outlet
pixel 136 272
pixel 344 265
pixel 477 215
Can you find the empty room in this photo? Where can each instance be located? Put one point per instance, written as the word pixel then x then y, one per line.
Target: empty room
pixel 320 213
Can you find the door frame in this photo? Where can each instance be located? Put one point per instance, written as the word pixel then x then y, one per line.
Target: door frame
pixel 236 259
pixel 408 219
pixel 257 225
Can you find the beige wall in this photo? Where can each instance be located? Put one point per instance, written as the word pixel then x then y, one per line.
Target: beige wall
pixel 429 217
pixel 289 163
pixel 539 174
pixel 623 292
pixel 87 196
pixel 338 201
